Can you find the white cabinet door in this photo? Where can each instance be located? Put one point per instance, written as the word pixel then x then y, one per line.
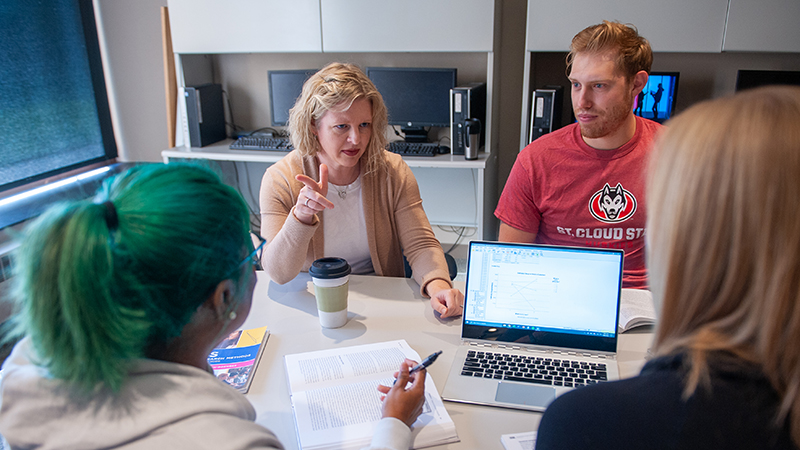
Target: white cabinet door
pixel 245 26
pixel 670 26
pixel 407 26
pixel 763 26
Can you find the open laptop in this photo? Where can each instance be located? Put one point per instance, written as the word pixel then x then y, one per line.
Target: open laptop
pixel 539 320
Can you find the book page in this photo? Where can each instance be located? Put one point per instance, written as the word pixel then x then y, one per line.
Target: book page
pixel 326 368
pixel 347 415
pixel 636 308
pixel 339 404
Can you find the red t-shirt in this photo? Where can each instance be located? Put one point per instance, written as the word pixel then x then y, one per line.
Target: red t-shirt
pixel 571 194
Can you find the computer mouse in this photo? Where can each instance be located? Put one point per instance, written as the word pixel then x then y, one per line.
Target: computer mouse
pixel 443 149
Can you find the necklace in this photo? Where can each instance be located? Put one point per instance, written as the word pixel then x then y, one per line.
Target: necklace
pixel 342 192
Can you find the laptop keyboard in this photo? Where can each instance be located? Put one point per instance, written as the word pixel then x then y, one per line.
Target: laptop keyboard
pixel 531 369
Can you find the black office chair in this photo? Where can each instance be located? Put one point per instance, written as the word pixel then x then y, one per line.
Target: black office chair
pixel 452 267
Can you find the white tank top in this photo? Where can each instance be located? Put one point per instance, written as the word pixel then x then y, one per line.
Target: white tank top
pixel 345 228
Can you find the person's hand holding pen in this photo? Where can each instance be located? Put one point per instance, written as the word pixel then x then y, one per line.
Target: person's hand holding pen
pixel 423 365
pixel 401 403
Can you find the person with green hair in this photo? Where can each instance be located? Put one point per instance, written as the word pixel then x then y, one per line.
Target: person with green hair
pixel 119 300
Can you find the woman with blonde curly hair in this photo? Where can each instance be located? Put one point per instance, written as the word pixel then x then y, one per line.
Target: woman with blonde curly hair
pixel 340 193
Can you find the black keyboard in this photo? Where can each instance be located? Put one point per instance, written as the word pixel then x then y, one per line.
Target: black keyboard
pixel 531 369
pixel 413 148
pixel 262 143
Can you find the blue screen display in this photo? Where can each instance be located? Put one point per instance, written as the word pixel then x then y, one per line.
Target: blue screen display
pixel 657 99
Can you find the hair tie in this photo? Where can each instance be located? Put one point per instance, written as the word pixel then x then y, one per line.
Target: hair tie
pixel 112 221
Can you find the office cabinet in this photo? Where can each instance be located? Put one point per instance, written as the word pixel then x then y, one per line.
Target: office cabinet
pixel 266 26
pixel 673 26
pixel 245 26
pixel 455 192
pixel 407 26
pixel 763 26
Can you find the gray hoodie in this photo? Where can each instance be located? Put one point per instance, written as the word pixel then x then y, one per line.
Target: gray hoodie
pixel 161 405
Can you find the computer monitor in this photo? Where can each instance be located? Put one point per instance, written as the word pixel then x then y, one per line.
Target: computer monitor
pixel 285 87
pixel 415 97
pixel 657 100
pixel 746 79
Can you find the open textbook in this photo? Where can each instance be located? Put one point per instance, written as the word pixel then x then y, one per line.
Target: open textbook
pixel 336 403
pixel 636 309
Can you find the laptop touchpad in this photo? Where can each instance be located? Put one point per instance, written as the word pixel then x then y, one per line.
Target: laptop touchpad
pixel 525 394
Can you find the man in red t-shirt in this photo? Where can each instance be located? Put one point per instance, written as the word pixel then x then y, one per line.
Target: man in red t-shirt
pixel 584 185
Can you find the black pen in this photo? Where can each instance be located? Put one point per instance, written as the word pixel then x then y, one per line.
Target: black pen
pixel 424 364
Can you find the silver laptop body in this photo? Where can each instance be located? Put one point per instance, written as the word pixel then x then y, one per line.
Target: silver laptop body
pixel 554 310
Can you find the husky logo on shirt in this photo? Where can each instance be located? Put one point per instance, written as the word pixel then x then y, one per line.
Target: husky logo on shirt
pixel 612 205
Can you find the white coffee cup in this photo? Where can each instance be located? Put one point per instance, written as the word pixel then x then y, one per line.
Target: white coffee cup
pixel 331 283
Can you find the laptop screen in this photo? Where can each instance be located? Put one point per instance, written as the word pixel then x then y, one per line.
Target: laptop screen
pixel 543 295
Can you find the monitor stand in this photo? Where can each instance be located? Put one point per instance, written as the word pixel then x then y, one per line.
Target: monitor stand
pixel 415 134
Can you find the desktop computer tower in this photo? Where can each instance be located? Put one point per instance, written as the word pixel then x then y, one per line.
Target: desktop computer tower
pixel 545 111
pixel 466 102
pixel 205 115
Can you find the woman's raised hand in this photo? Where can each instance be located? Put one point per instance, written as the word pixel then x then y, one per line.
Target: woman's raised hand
pixel 311 199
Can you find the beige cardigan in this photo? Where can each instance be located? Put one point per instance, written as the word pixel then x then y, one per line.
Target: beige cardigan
pixel 396 223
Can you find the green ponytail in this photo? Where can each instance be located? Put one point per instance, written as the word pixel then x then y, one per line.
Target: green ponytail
pixel 101 281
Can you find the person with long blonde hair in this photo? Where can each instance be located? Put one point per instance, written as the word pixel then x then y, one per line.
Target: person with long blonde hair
pixel 341 193
pixel 724 261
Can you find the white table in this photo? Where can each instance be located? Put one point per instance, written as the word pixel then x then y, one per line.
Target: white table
pixel 381 309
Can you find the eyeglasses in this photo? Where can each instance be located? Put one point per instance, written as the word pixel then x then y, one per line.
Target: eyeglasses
pixel 255 256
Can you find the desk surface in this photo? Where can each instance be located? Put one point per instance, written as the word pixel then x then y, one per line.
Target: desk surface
pixel 441 179
pixel 221 151
pixel 381 309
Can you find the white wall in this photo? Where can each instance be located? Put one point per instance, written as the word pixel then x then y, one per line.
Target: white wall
pixel 130 33
pixel 130 40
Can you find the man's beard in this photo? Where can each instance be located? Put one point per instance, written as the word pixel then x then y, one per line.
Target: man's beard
pixel 608 121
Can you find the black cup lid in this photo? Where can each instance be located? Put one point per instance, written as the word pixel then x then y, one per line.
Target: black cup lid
pixel 329 268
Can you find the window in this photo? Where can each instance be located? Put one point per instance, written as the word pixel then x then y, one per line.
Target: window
pixel 54 113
